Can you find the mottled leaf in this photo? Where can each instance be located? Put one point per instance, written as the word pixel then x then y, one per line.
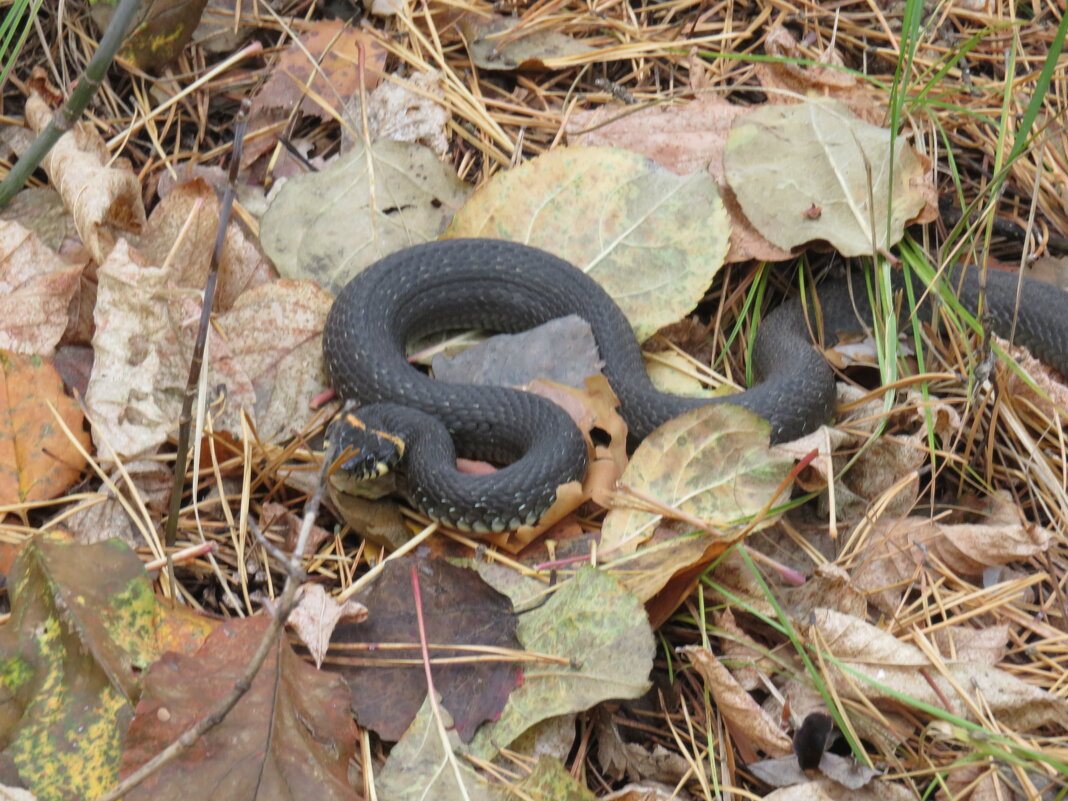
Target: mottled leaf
pixel 83 619
pixel 651 238
pixel 811 171
pixel 601 633
pixel 331 224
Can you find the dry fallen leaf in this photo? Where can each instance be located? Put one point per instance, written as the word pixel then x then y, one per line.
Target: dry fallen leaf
pixel 139 370
pixel 800 80
pixel 898 547
pixel 315 616
pixel 684 138
pixel 37 460
pixel 503 43
pixel 617 216
pixel 867 659
pixel 266 356
pixel 101 198
pixel 181 233
pixel 410 109
pixel 36 287
pixel 751 727
pixel 331 224
pixel 781 161
pixel 712 464
pixel 320 73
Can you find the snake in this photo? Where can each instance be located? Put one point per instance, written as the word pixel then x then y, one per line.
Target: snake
pixel 404 419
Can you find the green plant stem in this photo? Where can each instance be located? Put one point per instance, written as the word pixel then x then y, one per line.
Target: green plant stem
pixel 65 117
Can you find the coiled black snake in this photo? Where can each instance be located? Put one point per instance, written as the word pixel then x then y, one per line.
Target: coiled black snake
pixel 504 286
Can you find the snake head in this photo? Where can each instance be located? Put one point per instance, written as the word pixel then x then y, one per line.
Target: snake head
pixel 362 452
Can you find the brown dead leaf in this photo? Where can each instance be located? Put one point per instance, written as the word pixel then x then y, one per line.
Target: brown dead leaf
pixel 830 586
pixel 275 518
pixel 315 616
pixel 504 43
pixel 41 210
pixel 751 727
pixel 263 352
pixel 139 370
pixel 813 79
pixel 103 516
pixel 274 333
pixel 291 729
pixel 101 198
pixel 389 685
pixel 889 462
pixel 899 546
pixel 746 659
pixel 872 659
pixel 181 233
pixel 37 461
pixel 683 138
pixel 645 791
pixel 1052 399
pixel 984 646
pixel 324 64
pixel 36 287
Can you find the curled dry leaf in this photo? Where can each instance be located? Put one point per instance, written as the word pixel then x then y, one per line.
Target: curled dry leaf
pixel 410 109
pixel 886 463
pixel 101 198
pixel 873 659
pixel 804 80
pixel 37 460
pixel 139 372
pixel 36 287
pixel 504 43
pixel 781 161
pixel 1052 398
pixel 751 727
pixel 898 547
pixel 617 216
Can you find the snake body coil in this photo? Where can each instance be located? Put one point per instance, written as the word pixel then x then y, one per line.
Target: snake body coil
pixel 508 287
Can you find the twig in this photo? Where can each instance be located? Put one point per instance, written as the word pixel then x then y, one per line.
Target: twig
pixel 65 117
pixel 181 456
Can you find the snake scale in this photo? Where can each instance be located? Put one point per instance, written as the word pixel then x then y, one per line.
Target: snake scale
pixel 407 417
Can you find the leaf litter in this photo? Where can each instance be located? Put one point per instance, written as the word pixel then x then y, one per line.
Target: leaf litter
pixel 956 613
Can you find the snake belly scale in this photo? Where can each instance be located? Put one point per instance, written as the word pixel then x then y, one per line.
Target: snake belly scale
pixel 508 287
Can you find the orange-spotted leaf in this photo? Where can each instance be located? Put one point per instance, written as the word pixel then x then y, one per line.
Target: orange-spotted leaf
pixel 37 459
